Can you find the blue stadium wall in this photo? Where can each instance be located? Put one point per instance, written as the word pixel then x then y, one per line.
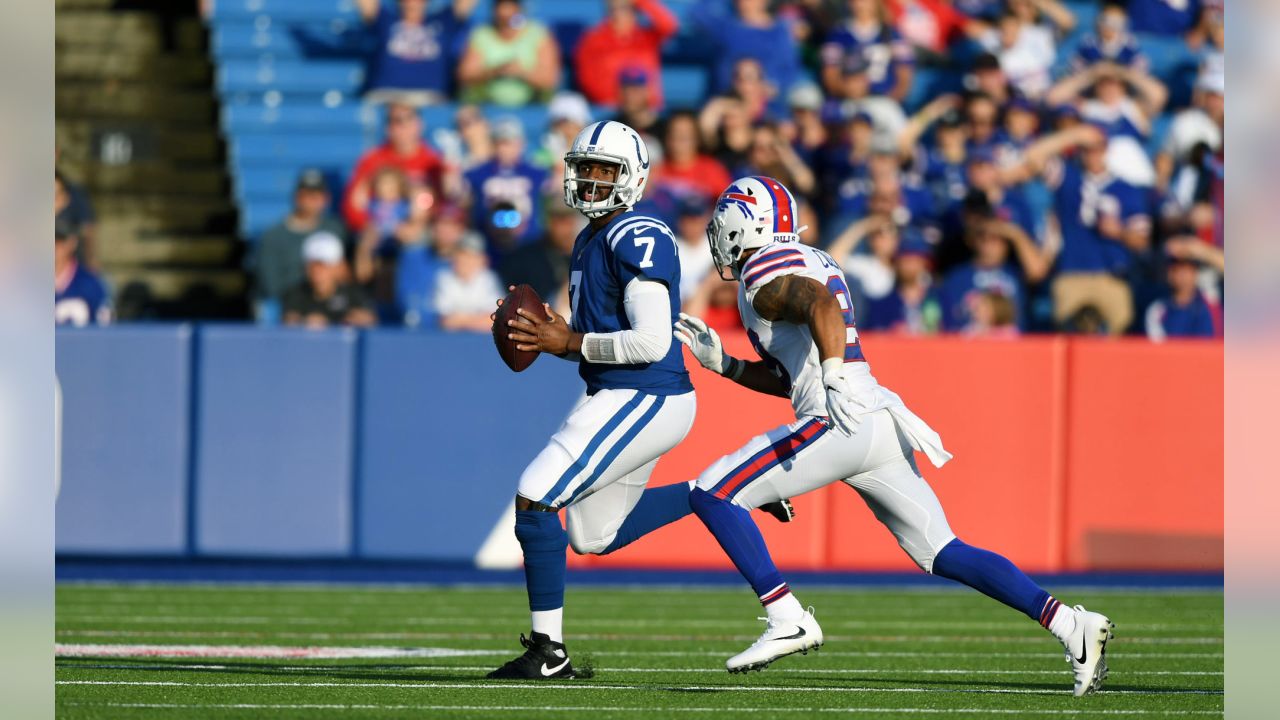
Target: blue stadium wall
pixel 235 441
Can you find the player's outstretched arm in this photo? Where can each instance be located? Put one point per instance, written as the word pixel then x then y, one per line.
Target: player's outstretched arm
pixel 707 349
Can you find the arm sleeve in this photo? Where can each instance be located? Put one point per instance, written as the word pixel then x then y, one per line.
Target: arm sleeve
pixel 648 308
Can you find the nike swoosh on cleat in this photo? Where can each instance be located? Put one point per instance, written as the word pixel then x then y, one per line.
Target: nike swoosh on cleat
pixel 548 672
pixel 799 634
pixel 1084 653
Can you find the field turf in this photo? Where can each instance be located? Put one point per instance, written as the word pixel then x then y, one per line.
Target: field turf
pixel 657 653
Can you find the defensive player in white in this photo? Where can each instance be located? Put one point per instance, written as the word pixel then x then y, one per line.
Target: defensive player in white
pixel 795 306
pixel 624 285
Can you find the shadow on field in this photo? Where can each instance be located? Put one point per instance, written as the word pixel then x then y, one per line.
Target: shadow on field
pixel 350 671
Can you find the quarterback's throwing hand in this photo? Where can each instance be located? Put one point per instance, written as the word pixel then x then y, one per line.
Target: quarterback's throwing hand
pixel 842 409
pixel 703 342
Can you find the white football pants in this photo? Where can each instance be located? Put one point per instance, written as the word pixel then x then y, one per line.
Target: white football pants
pixel 599 461
pixel 877 462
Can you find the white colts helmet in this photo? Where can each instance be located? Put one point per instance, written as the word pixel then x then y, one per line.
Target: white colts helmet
pixel 752 212
pixel 608 142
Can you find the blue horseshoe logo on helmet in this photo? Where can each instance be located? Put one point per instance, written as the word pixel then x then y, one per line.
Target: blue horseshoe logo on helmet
pixel 644 161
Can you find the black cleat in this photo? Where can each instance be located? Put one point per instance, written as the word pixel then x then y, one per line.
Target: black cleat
pixel 781 510
pixel 542 660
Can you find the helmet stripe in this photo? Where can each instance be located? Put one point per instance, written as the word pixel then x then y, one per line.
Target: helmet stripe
pixel 783 222
pixel 595 134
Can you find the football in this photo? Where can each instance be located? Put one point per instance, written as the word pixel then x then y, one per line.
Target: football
pixel 522 297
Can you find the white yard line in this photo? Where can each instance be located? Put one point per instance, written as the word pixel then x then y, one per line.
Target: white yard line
pixel 645 710
pixel 624 688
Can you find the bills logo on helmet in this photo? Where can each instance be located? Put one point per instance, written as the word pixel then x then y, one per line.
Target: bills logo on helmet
pixel 735 197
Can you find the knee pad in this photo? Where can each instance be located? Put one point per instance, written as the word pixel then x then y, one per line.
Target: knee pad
pixel 540 532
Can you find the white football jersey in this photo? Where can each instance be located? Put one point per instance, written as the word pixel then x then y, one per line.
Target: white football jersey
pixel 788 349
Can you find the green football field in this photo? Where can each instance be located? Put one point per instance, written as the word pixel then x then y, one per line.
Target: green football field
pixel 277 651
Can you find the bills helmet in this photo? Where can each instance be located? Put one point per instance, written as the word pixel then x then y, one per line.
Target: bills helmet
pixel 752 212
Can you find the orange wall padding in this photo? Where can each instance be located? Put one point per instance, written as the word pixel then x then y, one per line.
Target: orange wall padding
pixel 1070 454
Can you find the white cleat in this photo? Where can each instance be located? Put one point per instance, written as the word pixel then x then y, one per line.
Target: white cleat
pixel 779 640
pixel 1087 650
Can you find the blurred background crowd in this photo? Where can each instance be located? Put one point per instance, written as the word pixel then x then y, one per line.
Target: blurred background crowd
pixel 985 167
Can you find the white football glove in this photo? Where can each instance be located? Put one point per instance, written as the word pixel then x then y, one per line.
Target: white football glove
pixel 705 345
pixel 842 409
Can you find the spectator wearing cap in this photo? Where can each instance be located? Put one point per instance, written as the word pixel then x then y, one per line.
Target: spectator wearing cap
pixel 415 49
pixel 940 164
pixel 544 265
pixel 869 32
pixel 804 127
pixel 888 193
pixel 511 181
pixel 982 122
pixel 1201 124
pixel 1002 201
pixel 276 261
pixel 685 168
pixel 404 149
pixel 327 297
pixel 1111 42
pixel 635 106
pixel 751 31
pixel 1005 260
pixel 80 297
pixel 512 61
pixel 1021 127
pixel 870 273
pixel 1125 118
pixel 72 207
pixel 1168 17
pixel 1182 311
pixel 467 290
pixel 844 162
pixel 1103 222
pixel 986 77
pixel 567 114
pixel 620 41
pixel 1026 50
pixel 912 307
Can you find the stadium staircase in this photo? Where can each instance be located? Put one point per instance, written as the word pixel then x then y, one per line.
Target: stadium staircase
pixel 137 127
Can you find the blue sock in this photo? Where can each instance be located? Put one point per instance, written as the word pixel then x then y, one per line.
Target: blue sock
pixel 543 540
pixel 657 507
pixel 741 540
pixel 994 576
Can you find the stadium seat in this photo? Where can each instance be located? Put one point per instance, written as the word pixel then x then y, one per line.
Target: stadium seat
pixel 339 149
pixel 349 118
pixel 284 10
pixel 280 41
pixel 685 86
pixel 290 76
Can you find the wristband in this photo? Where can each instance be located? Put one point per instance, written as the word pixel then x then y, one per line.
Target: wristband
pixel 733 367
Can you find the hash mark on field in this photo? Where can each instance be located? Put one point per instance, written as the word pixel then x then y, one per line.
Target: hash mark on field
pixel 648 710
pixel 642 688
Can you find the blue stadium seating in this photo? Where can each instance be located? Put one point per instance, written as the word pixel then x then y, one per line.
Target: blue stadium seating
pixel 286 10
pixel 249 40
pixel 355 118
pixel 290 76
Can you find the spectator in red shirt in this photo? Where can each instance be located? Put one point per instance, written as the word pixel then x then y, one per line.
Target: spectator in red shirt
pixel 405 150
pixel 685 168
pixel 930 24
pixel 619 42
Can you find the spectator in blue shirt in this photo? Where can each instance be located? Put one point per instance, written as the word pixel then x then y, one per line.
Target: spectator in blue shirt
pixel 79 296
pixel 416 51
pixel 750 32
pixel 509 181
pixel 886 192
pixel 993 270
pixel 869 32
pixel 1166 17
pixel 1103 222
pixel 912 308
pixel 1111 42
pixel 1182 312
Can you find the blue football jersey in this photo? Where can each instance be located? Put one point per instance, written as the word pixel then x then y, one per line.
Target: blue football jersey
pixel 631 245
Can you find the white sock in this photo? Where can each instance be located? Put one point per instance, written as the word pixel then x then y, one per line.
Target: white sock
pixel 1063 623
pixel 550 623
pixel 785 609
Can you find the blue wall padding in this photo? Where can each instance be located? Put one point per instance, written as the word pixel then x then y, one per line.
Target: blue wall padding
pixel 275 442
pixel 125 418
pixel 446 430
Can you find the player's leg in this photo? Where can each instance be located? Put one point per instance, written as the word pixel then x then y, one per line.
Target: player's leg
pixel 784 462
pixel 903 501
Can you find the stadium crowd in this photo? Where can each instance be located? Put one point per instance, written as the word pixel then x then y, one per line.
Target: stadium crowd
pixel 1024 201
